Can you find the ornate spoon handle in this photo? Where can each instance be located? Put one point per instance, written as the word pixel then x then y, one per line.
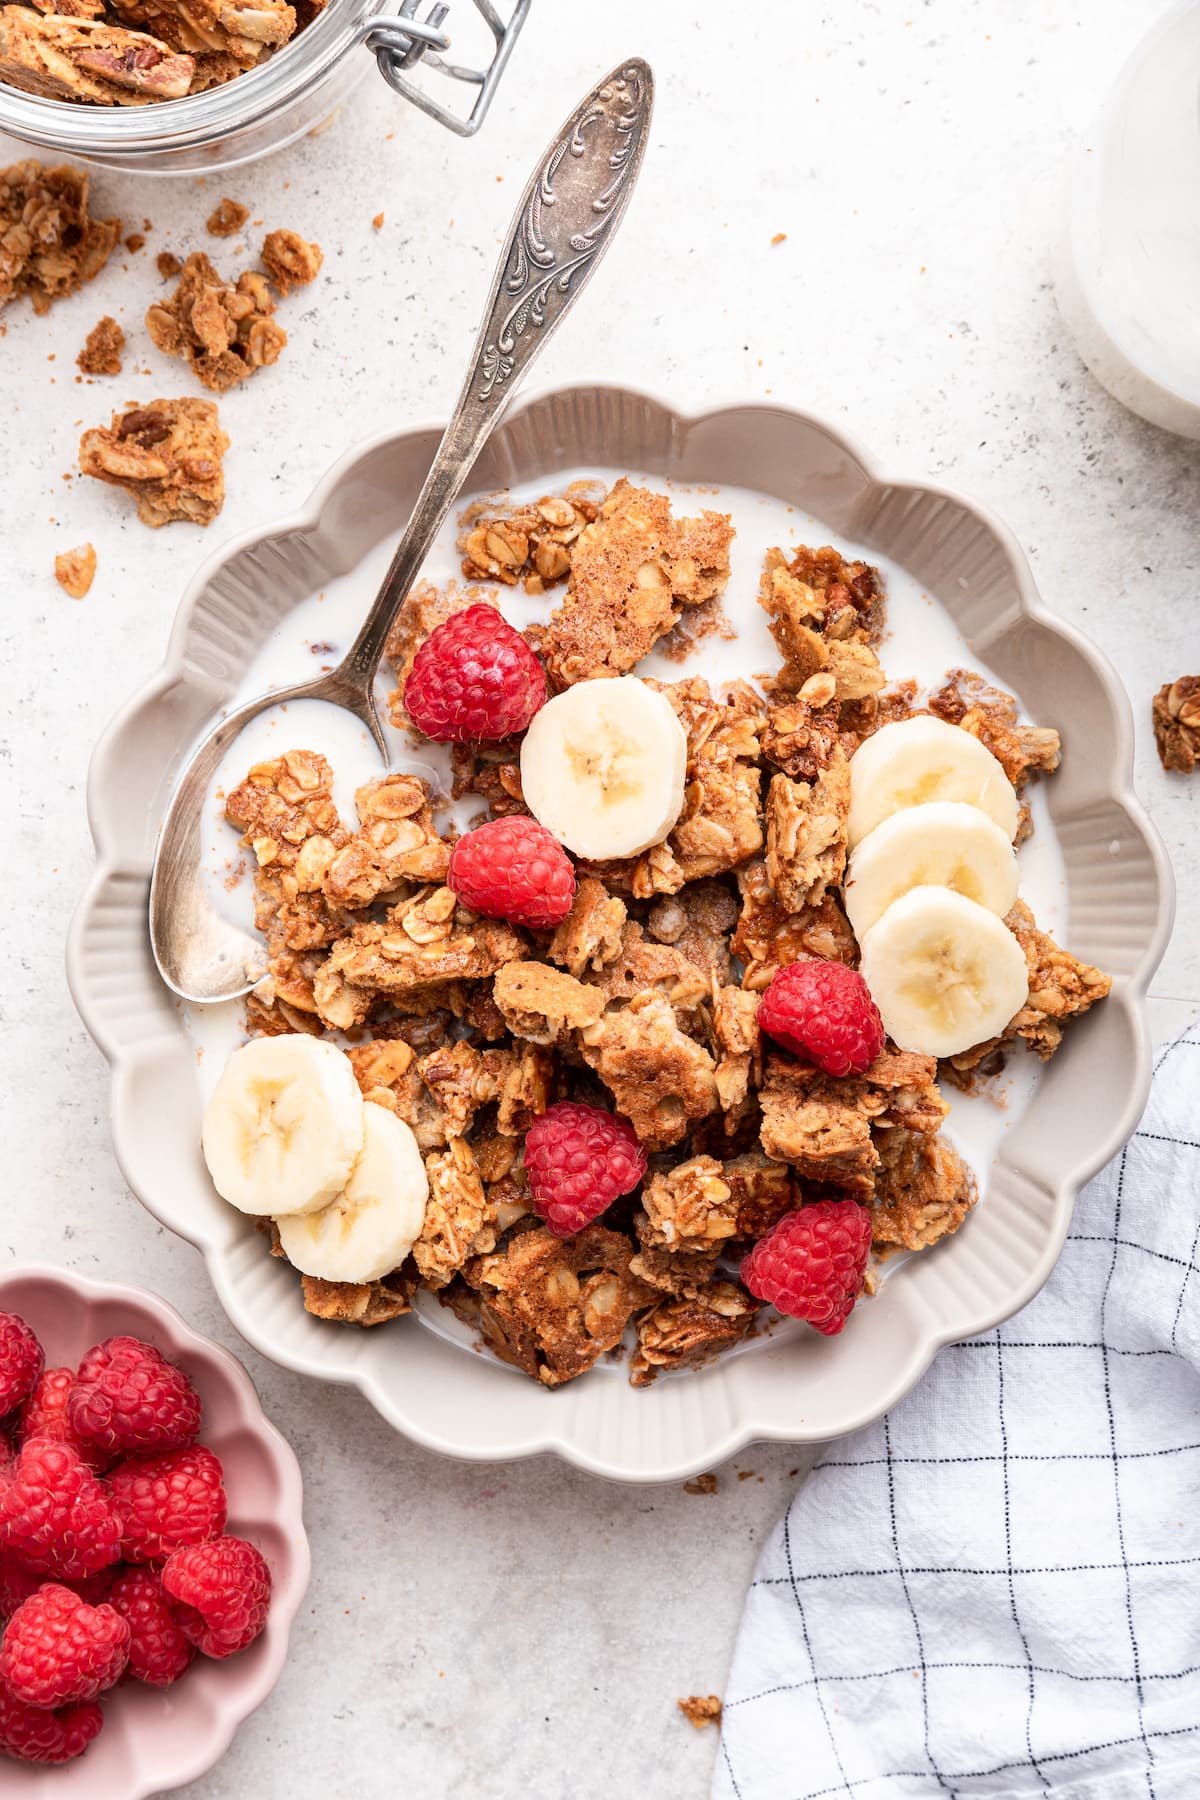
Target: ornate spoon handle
pixel 564 221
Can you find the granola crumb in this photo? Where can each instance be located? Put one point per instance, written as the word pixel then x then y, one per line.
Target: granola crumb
pixel 101 354
pixel 701 1484
pixel 135 242
pixel 701 1710
pixel 75 570
pixel 377 221
pixel 168 264
pixel 1176 717
pixel 780 237
pixel 68 248
pixel 226 218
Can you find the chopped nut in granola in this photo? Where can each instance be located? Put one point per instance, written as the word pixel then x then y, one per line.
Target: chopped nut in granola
pixel 1177 724
pixel 167 454
pixel 75 570
pixel 101 354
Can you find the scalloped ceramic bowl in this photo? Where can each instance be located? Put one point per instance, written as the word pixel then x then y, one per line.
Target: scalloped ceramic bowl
pixel 800 1388
pixel 154 1741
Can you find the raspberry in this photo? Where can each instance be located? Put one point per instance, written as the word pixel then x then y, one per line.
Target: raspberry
pixel 812 1263
pixel 57 1648
pixel 20 1361
pixel 513 869
pixel 220 1593
pixel 474 677
pixel 158 1651
pixel 16 1585
pixel 823 1012
pixel 165 1502
pixel 44 1415
pixel 128 1397
pixel 578 1160
pixel 32 1734
pixel 55 1517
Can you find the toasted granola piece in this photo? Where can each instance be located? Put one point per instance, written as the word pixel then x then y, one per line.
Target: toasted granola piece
pixel 1061 987
pixel 493 771
pixel 455 1214
pixel 227 218
pixel 426 942
pixel 75 570
pixel 49 243
pixel 544 1005
pixel 168 455
pixel 701 1709
pixel 386 1070
pixel 806 834
pixel 990 715
pixel 424 608
pixel 769 938
pixel 923 1191
pixel 525 1089
pixel 739 1044
pixel 660 1079
pixel 65 58
pixel 168 265
pixel 358 1302
pixel 634 569
pixel 644 967
pixel 397 842
pixel 689 1206
pixel 531 542
pixel 801 735
pixel 697 922
pixel 290 261
pixel 821 1124
pixel 286 814
pixel 1176 714
pixel 223 332
pixel 687 1333
pixel 761 1192
pixel 101 354
pixel 553 1306
pixel 71 9
pixel 590 935
pixel 673 1269
pixel 819 605
pixel 461 1079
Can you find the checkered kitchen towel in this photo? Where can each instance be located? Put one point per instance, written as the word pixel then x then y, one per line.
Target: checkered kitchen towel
pixel 996 1589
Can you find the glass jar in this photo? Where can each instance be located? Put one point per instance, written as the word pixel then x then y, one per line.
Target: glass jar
pixel 1128 274
pixel 297 90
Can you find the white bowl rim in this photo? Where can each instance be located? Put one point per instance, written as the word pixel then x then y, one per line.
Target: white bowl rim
pixel 738 1436
pixel 285 1604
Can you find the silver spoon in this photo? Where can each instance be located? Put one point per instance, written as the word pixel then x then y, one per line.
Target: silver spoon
pixel 564 221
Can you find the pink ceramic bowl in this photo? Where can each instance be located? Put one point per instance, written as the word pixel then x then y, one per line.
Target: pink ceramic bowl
pixel 154 1740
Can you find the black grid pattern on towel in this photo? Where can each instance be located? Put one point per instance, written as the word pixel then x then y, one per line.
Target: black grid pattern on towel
pixel 996 1589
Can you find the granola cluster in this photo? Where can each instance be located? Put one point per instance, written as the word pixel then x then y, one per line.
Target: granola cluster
pixel 132 52
pixel 226 331
pixel 645 999
pixel 167 455
pixel 49 242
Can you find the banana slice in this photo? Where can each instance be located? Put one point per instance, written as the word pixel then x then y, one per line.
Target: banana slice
pixel 945 843
pixel 945 973
pixel 372 1225
pixel 284 1125
pixel 603 765
pixel 923 759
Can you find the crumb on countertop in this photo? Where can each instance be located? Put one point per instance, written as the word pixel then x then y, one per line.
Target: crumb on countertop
pixel 75 570
pixel 101 354
pixel 701 1484
pixel 701 1710
pixel 226 218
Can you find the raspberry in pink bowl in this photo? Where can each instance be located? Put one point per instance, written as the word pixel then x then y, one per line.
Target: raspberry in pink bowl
pixel 185 1684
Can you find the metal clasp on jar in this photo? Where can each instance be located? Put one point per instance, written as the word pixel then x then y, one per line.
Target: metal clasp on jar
pixel 401 40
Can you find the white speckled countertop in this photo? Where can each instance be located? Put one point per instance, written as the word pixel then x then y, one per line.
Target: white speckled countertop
pixel 525 1630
